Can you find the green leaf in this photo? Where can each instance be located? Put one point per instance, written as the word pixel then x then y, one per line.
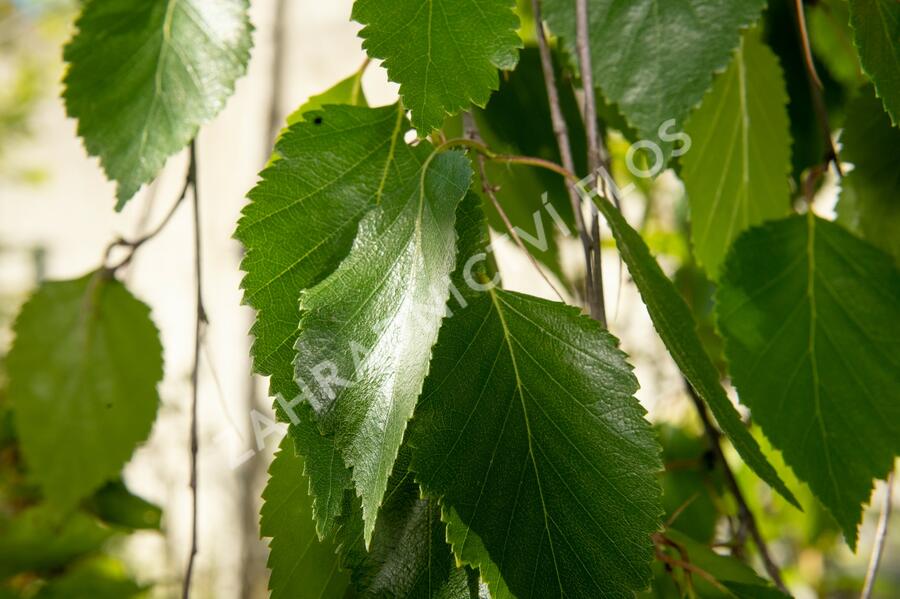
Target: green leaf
pixel 528 430
pixel 299 225
pixel 116 505
pixel 409 556
pixel 143 77
pixel 83 374
pixel 665 53
pixel 301 564
pixel 830 35
pixel 870 193
pixel 809 314
pixel 692 486
pixel 346 91
pixel 366 331
pixel 100 578
pixel 737 174
pixel 676 326
pixel 876 29
pixel 443 53
pixel 470 550
pixel 43 538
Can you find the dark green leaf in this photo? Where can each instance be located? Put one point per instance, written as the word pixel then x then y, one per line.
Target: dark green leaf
pixel 876 29
pixel 528 431
pixel 83 374
pixel 655 59
pixel 409 556
pixel 366 331
pixel 810 316
pixel 443 53
pixel 115 504
pixel 870 193
pixel 143 77
pixel 302 565
pixel 675 324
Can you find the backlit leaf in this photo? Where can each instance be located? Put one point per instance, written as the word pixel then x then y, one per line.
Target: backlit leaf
pixel 736 174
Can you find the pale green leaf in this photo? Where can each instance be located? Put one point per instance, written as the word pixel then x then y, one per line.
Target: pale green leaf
pixel 346 91
pixel 676 326
pixel 876 33
pixel 143 77
pixel 83 374
pixel 736 175
pixel 870 193
pixel 299 225
pixel 811 319
pixel 528 430
pixel 654 58
pixel 443 53
pixel 366 331
pixel 301 564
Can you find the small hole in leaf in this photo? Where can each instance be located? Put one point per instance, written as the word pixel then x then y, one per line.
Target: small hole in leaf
pixel 317 120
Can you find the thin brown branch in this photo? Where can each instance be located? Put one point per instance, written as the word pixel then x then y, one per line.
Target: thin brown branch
pixel 880 538
pixel 491 192
pixel 134 244
pixel 596 151
pixel 816 88
pixel 199 328
pixel 561 131
pixel 688 567
pixel 744 512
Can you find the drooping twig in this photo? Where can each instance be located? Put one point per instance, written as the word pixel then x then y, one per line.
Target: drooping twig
pixel 816 88
pixel 744 513
pixel 880 538
pixel 490 192
pixel 134 244
pixel 199 327
pixel 596 152
pixel 561 131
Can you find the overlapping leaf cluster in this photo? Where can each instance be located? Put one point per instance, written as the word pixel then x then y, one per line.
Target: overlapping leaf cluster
pixel 518 414
pixel 449 438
